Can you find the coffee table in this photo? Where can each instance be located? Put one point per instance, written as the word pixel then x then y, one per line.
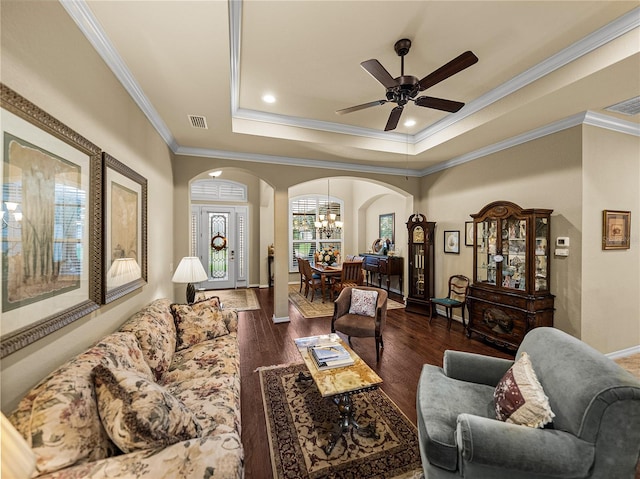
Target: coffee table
pixel 339 384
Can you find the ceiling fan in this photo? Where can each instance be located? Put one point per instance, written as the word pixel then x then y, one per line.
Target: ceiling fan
pixel 405 88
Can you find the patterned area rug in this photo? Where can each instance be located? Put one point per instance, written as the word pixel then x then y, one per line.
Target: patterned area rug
pixel 238 299
pixel 318 309
pixel 299 422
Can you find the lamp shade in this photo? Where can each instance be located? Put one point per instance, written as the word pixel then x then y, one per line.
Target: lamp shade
pixel 18 460
pixel 122 271
pixel 189 270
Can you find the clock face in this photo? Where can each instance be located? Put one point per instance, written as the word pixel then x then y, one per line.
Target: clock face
pixel 418 235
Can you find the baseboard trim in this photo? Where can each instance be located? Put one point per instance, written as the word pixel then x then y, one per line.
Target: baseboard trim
pixel 284 319
pixel 623 353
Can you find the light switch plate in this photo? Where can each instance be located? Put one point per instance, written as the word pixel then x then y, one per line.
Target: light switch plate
pixel 562 252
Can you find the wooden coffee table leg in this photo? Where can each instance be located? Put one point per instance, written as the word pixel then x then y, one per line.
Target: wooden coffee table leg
pixel 347 420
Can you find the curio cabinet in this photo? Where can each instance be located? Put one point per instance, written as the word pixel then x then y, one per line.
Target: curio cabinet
pixel 510 291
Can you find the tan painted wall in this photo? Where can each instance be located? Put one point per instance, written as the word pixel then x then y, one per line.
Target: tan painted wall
pixel 611 278
pixel 47 60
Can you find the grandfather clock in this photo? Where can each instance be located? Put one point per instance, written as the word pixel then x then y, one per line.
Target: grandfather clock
pixel 421 260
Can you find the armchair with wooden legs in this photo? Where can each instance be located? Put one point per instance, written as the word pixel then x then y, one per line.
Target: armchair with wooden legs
pixel 360 325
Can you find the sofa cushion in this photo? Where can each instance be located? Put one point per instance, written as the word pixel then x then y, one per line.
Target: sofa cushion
pixel 156 332
pixel 215 401
pixel 440 400
pixel 363 302
pixel 519 397
pixel 59 417
pixel 138 414
pixel 220 356
pixel 197 322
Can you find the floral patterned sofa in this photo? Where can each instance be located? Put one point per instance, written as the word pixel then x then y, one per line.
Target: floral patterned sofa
pixel 160 398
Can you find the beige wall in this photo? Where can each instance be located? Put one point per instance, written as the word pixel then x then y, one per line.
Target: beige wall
pixel 611 278
pixel 577 173
pixel 47 60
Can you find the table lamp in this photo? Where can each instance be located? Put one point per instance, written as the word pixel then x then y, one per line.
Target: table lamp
pixel 190 271
pixel 18 460
pixel 122 271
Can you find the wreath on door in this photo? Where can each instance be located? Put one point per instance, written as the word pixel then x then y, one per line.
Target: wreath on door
pixel 218 242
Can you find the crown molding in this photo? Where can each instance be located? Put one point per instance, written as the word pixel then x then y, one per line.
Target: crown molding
pixel 290 161
pixel 584 118
pixel 86 21
pixel 82 15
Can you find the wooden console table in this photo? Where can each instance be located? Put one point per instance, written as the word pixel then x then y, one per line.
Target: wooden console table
pixel 383 266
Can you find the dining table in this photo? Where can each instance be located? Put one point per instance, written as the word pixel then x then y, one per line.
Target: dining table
pixel 326 272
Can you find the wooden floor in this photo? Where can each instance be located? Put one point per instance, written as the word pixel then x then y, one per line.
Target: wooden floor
pixel 410 341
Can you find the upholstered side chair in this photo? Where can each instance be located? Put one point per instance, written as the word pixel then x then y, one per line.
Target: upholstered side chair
pixel 360 325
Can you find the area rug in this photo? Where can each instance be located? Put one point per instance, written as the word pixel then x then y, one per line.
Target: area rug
pixel 299 423
pixel 238 299
pixel 318 309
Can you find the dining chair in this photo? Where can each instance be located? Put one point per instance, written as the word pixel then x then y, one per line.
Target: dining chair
pixel 351 275
pixel 311 281
pixel 456 298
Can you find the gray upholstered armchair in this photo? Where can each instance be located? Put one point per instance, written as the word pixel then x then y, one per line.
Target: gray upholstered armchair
pixel 595 432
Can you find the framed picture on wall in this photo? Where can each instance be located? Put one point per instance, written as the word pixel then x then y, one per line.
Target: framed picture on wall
pixel 468 233
pixel 125 220
pixel 386 228
pixel 452 242
pixel 51 223
pixel 616 229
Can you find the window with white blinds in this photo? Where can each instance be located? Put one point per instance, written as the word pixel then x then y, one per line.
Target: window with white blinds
pixel 218 190
pixel 303 237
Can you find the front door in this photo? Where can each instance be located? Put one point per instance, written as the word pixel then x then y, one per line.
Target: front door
pixel 220 232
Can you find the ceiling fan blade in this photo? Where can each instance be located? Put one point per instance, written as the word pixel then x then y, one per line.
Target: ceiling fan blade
pixel 465 60
pixel 394 118
pixel 439 103
pixel 361 107
pixel 380 73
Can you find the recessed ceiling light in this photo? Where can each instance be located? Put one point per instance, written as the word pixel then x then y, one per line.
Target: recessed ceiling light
pixel 215 174
pixel 268 98
pixel 409 123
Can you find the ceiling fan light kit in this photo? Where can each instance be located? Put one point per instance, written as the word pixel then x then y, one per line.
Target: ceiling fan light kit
pixel 405 88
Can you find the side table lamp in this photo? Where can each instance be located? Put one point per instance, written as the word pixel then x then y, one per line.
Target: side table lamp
pixel 190 271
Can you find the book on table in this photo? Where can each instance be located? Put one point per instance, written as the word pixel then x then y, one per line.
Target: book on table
pixel 329 357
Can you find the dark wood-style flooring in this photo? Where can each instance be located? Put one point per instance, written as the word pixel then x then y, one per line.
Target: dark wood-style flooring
pixel 410 342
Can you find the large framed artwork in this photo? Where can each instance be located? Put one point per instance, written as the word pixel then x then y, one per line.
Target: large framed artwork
pixel 51 224
pixel 125 229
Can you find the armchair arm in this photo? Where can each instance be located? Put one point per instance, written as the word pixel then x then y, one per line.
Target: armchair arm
pixel 475 368
pixel 488 443
pixel 341 305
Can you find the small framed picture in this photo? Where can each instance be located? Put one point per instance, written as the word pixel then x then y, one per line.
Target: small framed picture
pixel 452 242
pixel 468 233
pixel 616 229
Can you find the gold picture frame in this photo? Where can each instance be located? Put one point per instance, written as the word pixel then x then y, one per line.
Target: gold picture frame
pixel 616 229
pixel 52 191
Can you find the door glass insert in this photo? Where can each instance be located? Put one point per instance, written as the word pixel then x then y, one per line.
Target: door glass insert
pixel 218 264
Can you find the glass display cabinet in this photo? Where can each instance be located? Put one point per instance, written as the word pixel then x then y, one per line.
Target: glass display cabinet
pixel 421 264
pixel 510 291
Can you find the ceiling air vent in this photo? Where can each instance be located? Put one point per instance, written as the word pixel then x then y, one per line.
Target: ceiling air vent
pixel 628 107
pixel 198 121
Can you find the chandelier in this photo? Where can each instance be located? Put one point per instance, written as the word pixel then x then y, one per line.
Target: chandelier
pixel 327 224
